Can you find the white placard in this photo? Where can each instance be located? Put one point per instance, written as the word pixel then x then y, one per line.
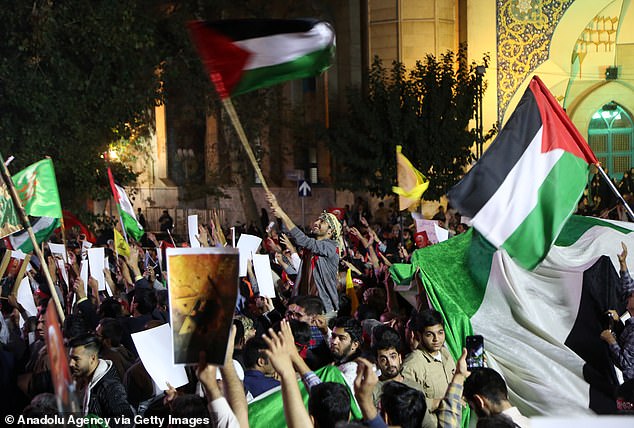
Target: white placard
pixel 192 228
pixel 152 345
pixel 58 250
pixel 441 233
pixel 248 245
pixel 25 298
pixel 264 275
pixel 428 227
pixel 95 260
pixel 83 274
pixel 62 268
pixel 18 254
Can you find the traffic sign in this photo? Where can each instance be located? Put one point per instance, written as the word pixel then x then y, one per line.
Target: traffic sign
pixel 303 189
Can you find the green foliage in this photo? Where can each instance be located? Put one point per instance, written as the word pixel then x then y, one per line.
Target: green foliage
pixel 77 77
pixel 426 110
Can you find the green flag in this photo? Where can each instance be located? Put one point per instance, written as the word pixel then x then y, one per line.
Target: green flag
pixel 267 410
pixel 37 188
pixel 9 221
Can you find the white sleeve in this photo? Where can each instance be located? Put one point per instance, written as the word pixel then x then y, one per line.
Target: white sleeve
pixel 296 261
pixel 221 414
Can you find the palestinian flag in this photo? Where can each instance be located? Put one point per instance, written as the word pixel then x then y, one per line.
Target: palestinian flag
pixel 267 410
pixel 126 212
pixel 248 54
pixel 541 328
pixel 528 183
pixel 43 228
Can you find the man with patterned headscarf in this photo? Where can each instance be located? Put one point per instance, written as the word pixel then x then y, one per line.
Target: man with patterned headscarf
pixel 320 256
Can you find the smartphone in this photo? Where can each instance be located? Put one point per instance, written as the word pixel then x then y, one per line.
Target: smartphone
pixel 475 351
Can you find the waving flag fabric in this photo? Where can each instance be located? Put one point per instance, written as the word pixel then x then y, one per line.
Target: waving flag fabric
pixel 43 228
pixel 411 182
pixel 128 218
pixel 248 54
pixel 541 328
pixel 37 187
pixel 267 410
pixel 528 183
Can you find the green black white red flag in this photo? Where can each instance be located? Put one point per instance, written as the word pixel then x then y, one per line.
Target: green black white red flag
pixel 247 54
pixel 126 211
pixel 528 183
pixel 541 327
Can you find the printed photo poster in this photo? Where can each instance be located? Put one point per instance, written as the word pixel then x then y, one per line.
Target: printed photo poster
pixel 12 271
pixel 203 288
pixel 58 360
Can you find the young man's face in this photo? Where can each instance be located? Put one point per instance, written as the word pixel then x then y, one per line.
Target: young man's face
pixel 341 344
pixel 389 361
pixel 320 228
pixel 433 338
pixel 81 361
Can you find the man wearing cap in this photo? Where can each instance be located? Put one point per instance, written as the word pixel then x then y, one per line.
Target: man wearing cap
pixel 622 350
pixel 320 256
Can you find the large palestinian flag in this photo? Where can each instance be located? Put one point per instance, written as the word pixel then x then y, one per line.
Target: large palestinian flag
pixel 526 185
pixel 247 54
pixel 541 328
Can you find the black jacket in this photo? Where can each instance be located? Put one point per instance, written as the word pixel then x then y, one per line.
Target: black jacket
pixel 108 397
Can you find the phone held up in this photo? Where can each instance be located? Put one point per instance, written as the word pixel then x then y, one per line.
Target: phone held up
pixel 475 351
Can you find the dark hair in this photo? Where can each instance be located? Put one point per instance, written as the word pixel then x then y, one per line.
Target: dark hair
pixel 88 340
pixel 253 350
pixel 329 403
pixel 44 404
pixel 75 325
pixel 189 406
pixel 162 298
pixel 486 382
pixel 365 311
pixel 312 305
pixel 145 300
pixel 496 421
pixel 350 326
pixel 301 331
pixel 388 338
pixel 425 318
pixel 111 329
pixel 110 308
pixel 404 406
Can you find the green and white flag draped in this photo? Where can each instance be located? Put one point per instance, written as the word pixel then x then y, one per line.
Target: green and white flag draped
pixel 541 327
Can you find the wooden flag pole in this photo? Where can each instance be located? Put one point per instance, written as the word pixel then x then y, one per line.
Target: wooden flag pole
pixel 228 105
pixel 6 177
pixel 615 191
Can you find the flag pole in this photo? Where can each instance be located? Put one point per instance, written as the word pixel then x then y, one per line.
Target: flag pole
pixel 615 191
pixel 6 177
pixel 235 121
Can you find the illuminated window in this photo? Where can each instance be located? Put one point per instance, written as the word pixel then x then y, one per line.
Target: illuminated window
pixel 610 135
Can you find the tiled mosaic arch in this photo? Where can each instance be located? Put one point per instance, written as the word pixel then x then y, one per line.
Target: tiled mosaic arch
pixel 524 31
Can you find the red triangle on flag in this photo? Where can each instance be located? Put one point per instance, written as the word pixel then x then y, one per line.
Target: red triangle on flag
pixel 223 59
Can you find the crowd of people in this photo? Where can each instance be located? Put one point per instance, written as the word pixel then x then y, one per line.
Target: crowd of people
pixel 392 359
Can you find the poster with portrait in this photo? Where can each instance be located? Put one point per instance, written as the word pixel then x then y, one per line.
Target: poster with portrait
pixel 203 288
pixel 12 269
pixel 58 363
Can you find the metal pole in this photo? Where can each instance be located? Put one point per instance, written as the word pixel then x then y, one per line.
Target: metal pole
pixel 615 191
pixel 303 219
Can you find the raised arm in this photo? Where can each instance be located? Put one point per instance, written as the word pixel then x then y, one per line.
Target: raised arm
pixel 294 410
pixel 279 212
